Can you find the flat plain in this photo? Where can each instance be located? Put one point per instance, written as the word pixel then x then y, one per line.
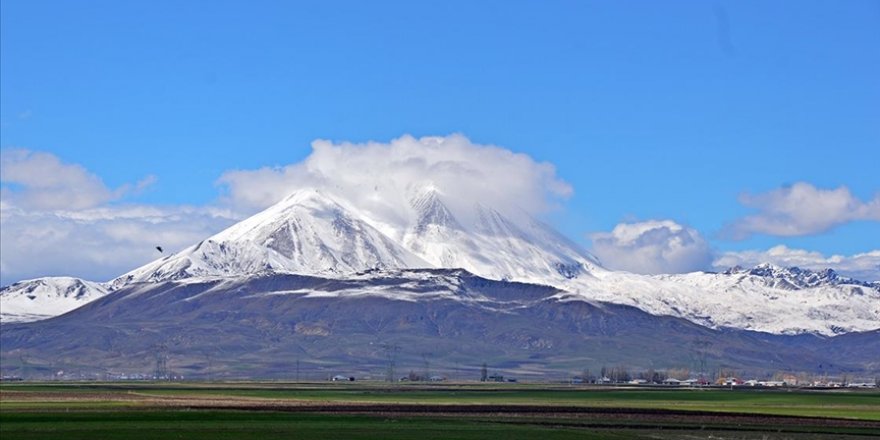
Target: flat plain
pixel 323 410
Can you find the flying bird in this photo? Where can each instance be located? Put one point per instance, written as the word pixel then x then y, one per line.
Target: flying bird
pixel 159 248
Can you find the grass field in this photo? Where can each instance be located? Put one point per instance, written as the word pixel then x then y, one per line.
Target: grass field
pixel 334 411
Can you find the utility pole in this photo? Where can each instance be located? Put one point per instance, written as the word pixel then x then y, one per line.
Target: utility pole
pixel 209 371
pixel 23 367
pixel 297 370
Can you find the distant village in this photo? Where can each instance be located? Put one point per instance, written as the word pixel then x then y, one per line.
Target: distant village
pixel 617 377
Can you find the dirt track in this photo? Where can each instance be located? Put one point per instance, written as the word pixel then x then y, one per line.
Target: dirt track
pixel 604 415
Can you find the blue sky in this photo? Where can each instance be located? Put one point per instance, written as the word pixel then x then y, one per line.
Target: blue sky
pixel 649 110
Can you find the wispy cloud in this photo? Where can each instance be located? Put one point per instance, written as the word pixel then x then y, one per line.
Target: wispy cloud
pixel 57 219
pixel 97 243
pixel 801 209
pixel 41 181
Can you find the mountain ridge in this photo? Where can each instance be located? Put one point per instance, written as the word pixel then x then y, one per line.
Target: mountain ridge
pixel 313 232
pixel 259 325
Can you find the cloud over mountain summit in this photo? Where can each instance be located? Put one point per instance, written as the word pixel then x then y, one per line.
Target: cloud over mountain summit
pixel 381 177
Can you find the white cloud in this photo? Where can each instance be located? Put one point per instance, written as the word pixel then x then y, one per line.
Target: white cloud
pixel 801 209
pixel 43 182
pixel 864 266
pixel 664 246
pixel 99 243
pixel 380 176
pixel 57 220
pixel 652 247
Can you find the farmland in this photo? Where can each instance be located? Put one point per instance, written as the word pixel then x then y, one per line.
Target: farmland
pixel 269 410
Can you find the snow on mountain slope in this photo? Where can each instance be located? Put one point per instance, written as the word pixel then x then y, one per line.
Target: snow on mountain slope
pixel 313 232
pixel 744 299
pixel 793 278
pixel 309 232
pixel 316 233
pixel 492 245
pixel 41 298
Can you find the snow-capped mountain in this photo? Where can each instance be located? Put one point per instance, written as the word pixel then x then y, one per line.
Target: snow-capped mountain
pixel 257 325
pixel 794 278
pixel 491 244
pixel 743 299
pixel 309 232
pixel 313 232
pixel 41 298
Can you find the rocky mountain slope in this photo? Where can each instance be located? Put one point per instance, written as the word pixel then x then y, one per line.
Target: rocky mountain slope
pixel 263 325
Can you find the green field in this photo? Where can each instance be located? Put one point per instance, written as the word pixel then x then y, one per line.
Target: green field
pixel 332 411
pixel 266 426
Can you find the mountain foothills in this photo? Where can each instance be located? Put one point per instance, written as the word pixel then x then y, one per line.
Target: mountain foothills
pixel 320 277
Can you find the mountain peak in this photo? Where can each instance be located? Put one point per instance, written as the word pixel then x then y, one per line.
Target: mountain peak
pixel 41 298
pixel 318 232
pixel 430 210
pixel 309 232
pixel 794 278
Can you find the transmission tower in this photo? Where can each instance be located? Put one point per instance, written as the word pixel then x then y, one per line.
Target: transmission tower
pixel 24 366
pixel 160 352
pixel 426 360
pixel 702 348
pixel 390 356
pixel 209 372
